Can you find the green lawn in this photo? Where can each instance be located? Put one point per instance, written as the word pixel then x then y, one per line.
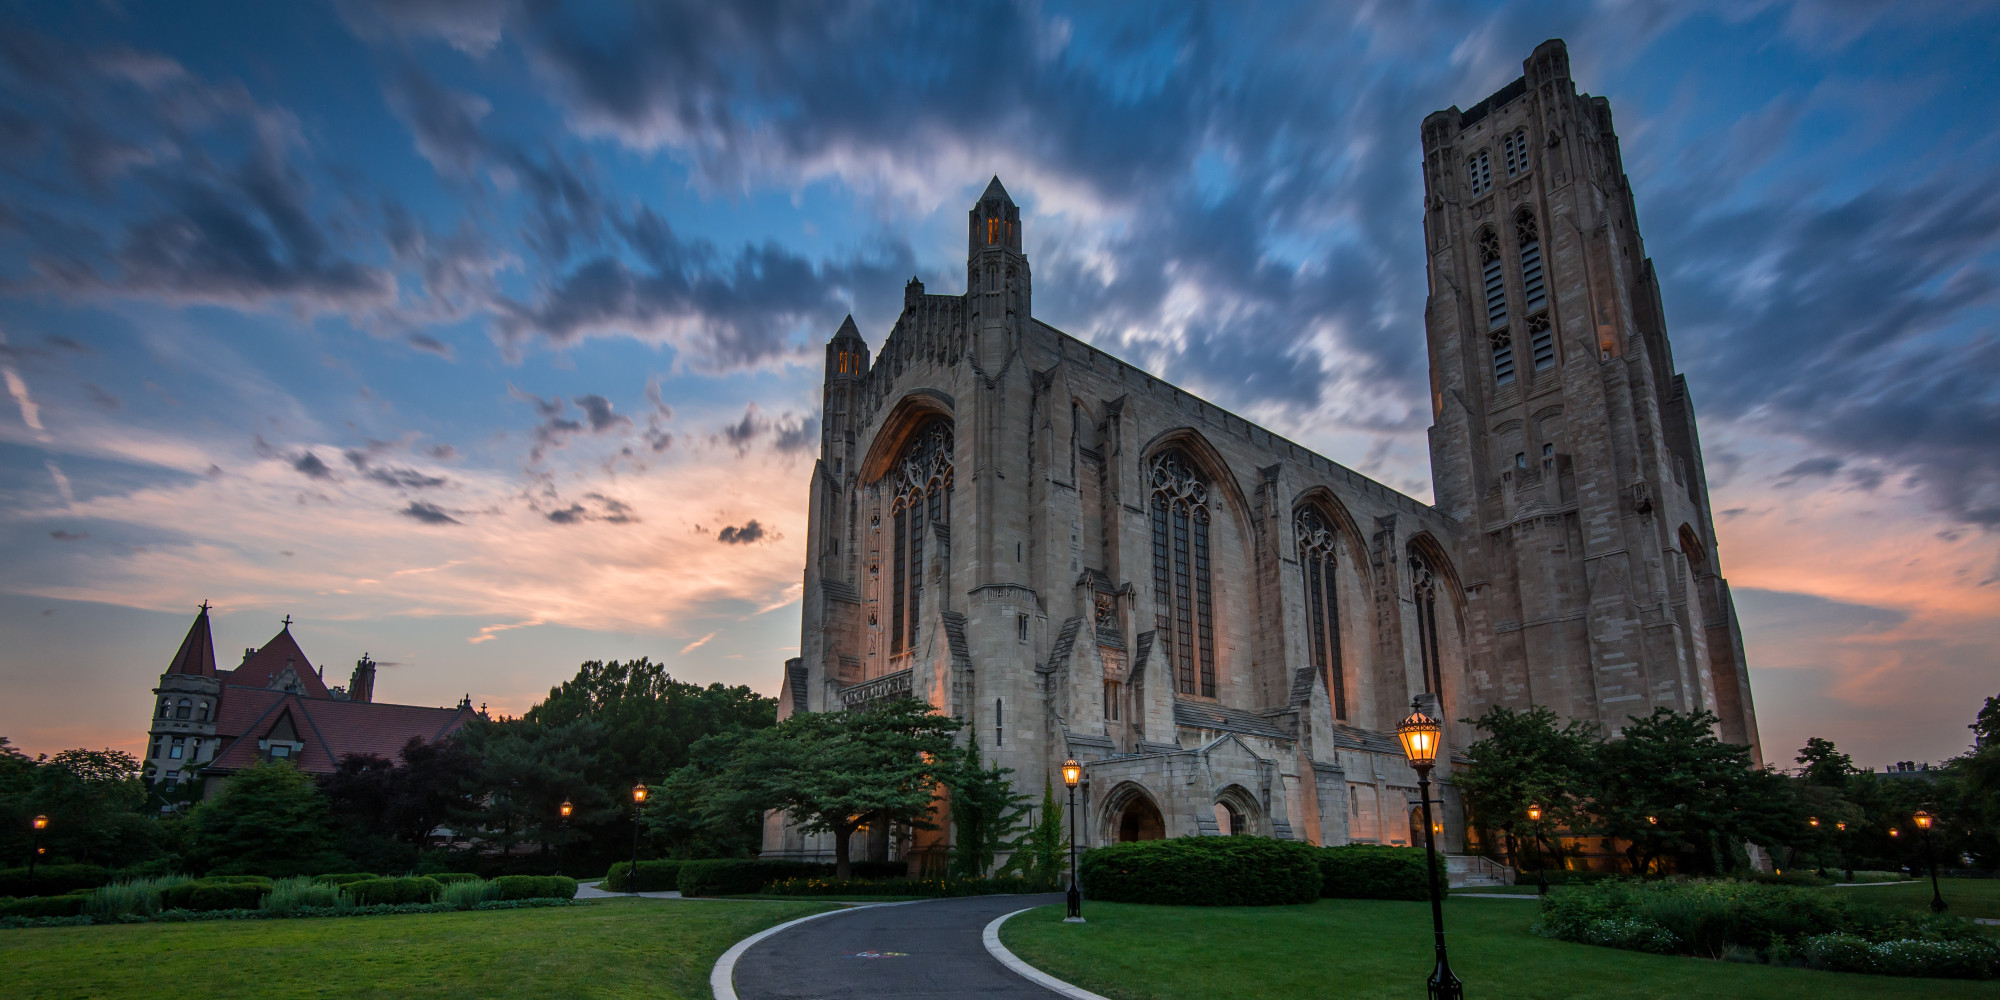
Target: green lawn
pixel 1366 949
pixel 608 948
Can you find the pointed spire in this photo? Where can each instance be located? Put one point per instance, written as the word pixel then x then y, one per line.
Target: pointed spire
pixel 847 331
pixel 197 652
pixel 996 192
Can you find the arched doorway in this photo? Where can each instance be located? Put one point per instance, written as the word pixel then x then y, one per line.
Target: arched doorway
pixel 1140 820
pixel 1228 821
pixel 1416 826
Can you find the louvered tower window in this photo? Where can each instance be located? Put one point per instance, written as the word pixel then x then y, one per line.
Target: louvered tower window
pixel 1479 173
pixel 1186 615
pixel 1316 562
pixel 1516 149
pixel 921 482
pixel 1496 307
pixel 1534 291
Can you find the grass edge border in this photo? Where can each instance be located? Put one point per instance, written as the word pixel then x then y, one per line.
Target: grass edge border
pixel 991 938
pixel 721 978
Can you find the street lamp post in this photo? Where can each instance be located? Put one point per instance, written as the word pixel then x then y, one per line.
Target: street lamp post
pixel 1419 734
pixel 41 823
pixel 632 873
pixel 1924 823
pixel 1073 773
pixel 565 809
pixel 1846 855
pixel 1541 871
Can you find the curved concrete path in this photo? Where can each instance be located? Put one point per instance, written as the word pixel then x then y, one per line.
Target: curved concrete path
pixel 928 948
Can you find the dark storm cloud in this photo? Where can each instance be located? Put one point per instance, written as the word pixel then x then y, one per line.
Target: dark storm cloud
pixel 790 432
pixel 312 467
pixel 598 410
pixel 749 532
pixel 140 133
pixel 428 513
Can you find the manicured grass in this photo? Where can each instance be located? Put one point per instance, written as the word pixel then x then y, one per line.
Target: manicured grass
pixel 1967 897
pixel 1364 949
pixel 608 948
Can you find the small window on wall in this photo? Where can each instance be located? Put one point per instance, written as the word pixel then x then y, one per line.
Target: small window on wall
pixel 1021 621
pixel 1516 148
pixel 1111 700
pixel 166 706
pixel 184 709
pixel 999 724
pixel 175 752
pixel 1479 173
pixel 278 752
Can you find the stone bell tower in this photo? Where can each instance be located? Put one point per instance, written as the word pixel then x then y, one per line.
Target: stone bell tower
pixel 996 278
pixel 1563 439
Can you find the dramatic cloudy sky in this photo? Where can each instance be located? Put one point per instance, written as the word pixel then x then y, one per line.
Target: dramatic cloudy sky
pixel 483 337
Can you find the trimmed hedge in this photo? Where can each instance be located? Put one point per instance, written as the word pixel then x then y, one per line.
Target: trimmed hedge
pixel 394 891
pixel 535 887
pixel 346 878
pixel 447 878
pixel 44 906
pixel 52 880
pixel 740 876
pixel 976 886
pixel 654 876
pixel 214 894
pixel 1369 871
pixel 1204 871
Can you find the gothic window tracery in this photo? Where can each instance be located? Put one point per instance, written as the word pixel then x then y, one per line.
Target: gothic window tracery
pixel 1181 562
pixel 920 484
pixel 1317 542
pixel 1423 591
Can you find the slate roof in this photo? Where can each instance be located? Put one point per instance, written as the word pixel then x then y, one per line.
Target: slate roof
pixel 1198 715
pixel 197 652
pixel 329 729
pixel 267 663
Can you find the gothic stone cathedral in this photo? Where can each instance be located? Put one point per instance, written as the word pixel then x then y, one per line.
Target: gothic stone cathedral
pixel 1080 559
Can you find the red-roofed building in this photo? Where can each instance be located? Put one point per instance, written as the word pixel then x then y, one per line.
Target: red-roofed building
pixel 274 706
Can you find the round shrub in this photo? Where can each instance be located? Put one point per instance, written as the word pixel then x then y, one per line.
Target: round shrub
pixel 535 887
pixel 654 876
pixel 1204 871
pixel 213 894
pixel 739 876
pixel 1369 871
pixel 52 880
pixel 44 906
pixel 379 891
pixel 348 878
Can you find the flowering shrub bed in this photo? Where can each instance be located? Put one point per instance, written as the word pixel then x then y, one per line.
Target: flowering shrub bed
pixel 998 885
pixel 1779 924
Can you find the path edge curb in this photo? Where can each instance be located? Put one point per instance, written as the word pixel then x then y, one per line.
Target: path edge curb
pixel 991 937
pixel 721 978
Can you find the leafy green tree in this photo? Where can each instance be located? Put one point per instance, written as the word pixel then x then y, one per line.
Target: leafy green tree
pixel 984 809
pixel 93 800
pixel 1529 757
pixel 269 819
pixel 1822 763
pixel 1042 853
pixel 1669 787
pixel 832 772
pixel 527 770
pixel 644 726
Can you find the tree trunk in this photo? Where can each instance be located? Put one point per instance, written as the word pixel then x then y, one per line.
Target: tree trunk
pixel 843 867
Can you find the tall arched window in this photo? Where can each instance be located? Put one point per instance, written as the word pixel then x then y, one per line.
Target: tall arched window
pixel 1496 307
pixel 1316 561
pixel 1423 588
pixel 921 485
pixel 1186 613
pixel 1534 291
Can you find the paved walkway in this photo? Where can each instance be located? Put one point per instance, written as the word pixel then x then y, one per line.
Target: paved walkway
pixel 928 948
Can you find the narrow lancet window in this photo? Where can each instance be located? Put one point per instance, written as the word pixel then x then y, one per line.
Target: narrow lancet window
pixel 1423 588
pixel 1186 613
pixel 921 483
pixel 1316 539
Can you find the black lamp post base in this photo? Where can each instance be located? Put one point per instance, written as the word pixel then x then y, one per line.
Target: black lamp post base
pixel 1444 985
